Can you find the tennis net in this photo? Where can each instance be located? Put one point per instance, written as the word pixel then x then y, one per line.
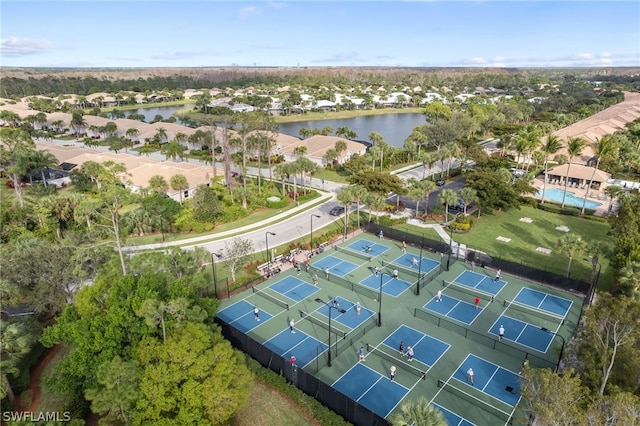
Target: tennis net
pixel 366 291
pixel 471 291
pixel 408 271
pixel 395 359
pixel 545 315
pixel 484 405
pixel 270 297
pixel 307 316
pixel 353 253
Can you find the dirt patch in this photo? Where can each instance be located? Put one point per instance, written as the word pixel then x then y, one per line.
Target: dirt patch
pixel 34 383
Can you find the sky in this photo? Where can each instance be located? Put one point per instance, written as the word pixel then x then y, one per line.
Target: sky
pixel 411 33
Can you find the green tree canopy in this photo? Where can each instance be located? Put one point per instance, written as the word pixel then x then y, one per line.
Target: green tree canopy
pixel 194 378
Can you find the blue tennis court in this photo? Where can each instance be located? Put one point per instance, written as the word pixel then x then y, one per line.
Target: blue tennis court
pixel 523 333
pixel 452 418
pixel 428 350
pixel 361 246
pixel 480 282
pixel 241 316
pixel 544 301
pixel 336 265
pixel 391 286
pixel 495 381
pixel 299 344
pixel 350 318
pixel 371 389
pixel 454 308
pixel 294 288
pixel 413 262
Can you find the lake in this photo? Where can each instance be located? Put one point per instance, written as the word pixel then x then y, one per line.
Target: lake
pixel 395 128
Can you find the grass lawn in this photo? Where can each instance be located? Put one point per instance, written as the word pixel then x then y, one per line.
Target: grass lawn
pixel 269 407
pixel 526 237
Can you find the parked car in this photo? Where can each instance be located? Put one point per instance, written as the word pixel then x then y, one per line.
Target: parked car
pixel 440 182
pixel 336 211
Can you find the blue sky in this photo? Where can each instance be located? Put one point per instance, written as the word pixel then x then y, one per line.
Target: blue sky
pixel 320 33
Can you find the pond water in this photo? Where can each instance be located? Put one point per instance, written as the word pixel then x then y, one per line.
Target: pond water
pixel 150 113
pixel 395 128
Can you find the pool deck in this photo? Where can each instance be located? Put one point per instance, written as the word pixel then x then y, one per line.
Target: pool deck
pixel 594 195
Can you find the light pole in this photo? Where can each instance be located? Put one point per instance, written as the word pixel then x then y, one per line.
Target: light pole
pixel 330 306
pixel 311 242
pixel 546 330
pixel 382 274
pixel 213 268
pixel 420 267
pixel 450 245
pixel 266 239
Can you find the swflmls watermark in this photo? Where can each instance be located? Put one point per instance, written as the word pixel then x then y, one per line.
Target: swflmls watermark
pixel 31 416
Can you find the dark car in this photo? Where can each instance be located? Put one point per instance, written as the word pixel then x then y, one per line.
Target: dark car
pixel 440 182
pixel 336 211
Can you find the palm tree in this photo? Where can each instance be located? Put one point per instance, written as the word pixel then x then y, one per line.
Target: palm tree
pixel 41 160
pixel 418 413
pixel 341 148
pixel 629 280
pixel 468 196
pixel 379 141
pixel 173 149
pixel 428 161
pixel 78 123
pixel 359 193
pixel 158 183
pixel 346 133
pixel 574 148
pixel 571 244
pixel 132 133
pixel 330 155
pixel 15 342
pixel 161 135
pixel 346 197
pixel 415 193
pixel 613 192
pixel 427 186
pixel 448 197
pixel 179 183
pixel 376 202
pixel 603 149
pixel 551 146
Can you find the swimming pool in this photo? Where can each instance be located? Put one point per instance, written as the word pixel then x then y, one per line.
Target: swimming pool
pixel 555 195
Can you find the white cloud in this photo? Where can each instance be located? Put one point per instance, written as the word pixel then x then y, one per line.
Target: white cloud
pixel 276 5
pixel 15 46
pixel 245 12
pixel 478 60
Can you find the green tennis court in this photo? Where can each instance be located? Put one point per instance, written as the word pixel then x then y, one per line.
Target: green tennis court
pixel 445 336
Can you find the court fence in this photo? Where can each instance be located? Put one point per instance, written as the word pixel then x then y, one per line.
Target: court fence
pixel 520 270
pixel 491 342
pixel 303 378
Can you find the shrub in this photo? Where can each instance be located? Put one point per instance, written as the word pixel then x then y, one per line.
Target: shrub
pixel 306 197
pixel 554 208
pixel 278 204
pixel 388 222
pixel 233 213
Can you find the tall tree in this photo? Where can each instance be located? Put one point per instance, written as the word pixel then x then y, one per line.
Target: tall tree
pixel 378 140
pixel 448 197
pixel 574 148
pixel 607 147
pixel 15 342
pixel 15 152
pixel 158 183
pixel 550 147
pixel 346 197
pixel 179 183
pixel 610 326
pixel 341 149
pixel 554 400
pixel 571 244
pixel 194 378
pixel 418 413
pixel 117 391
pixel 236 253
